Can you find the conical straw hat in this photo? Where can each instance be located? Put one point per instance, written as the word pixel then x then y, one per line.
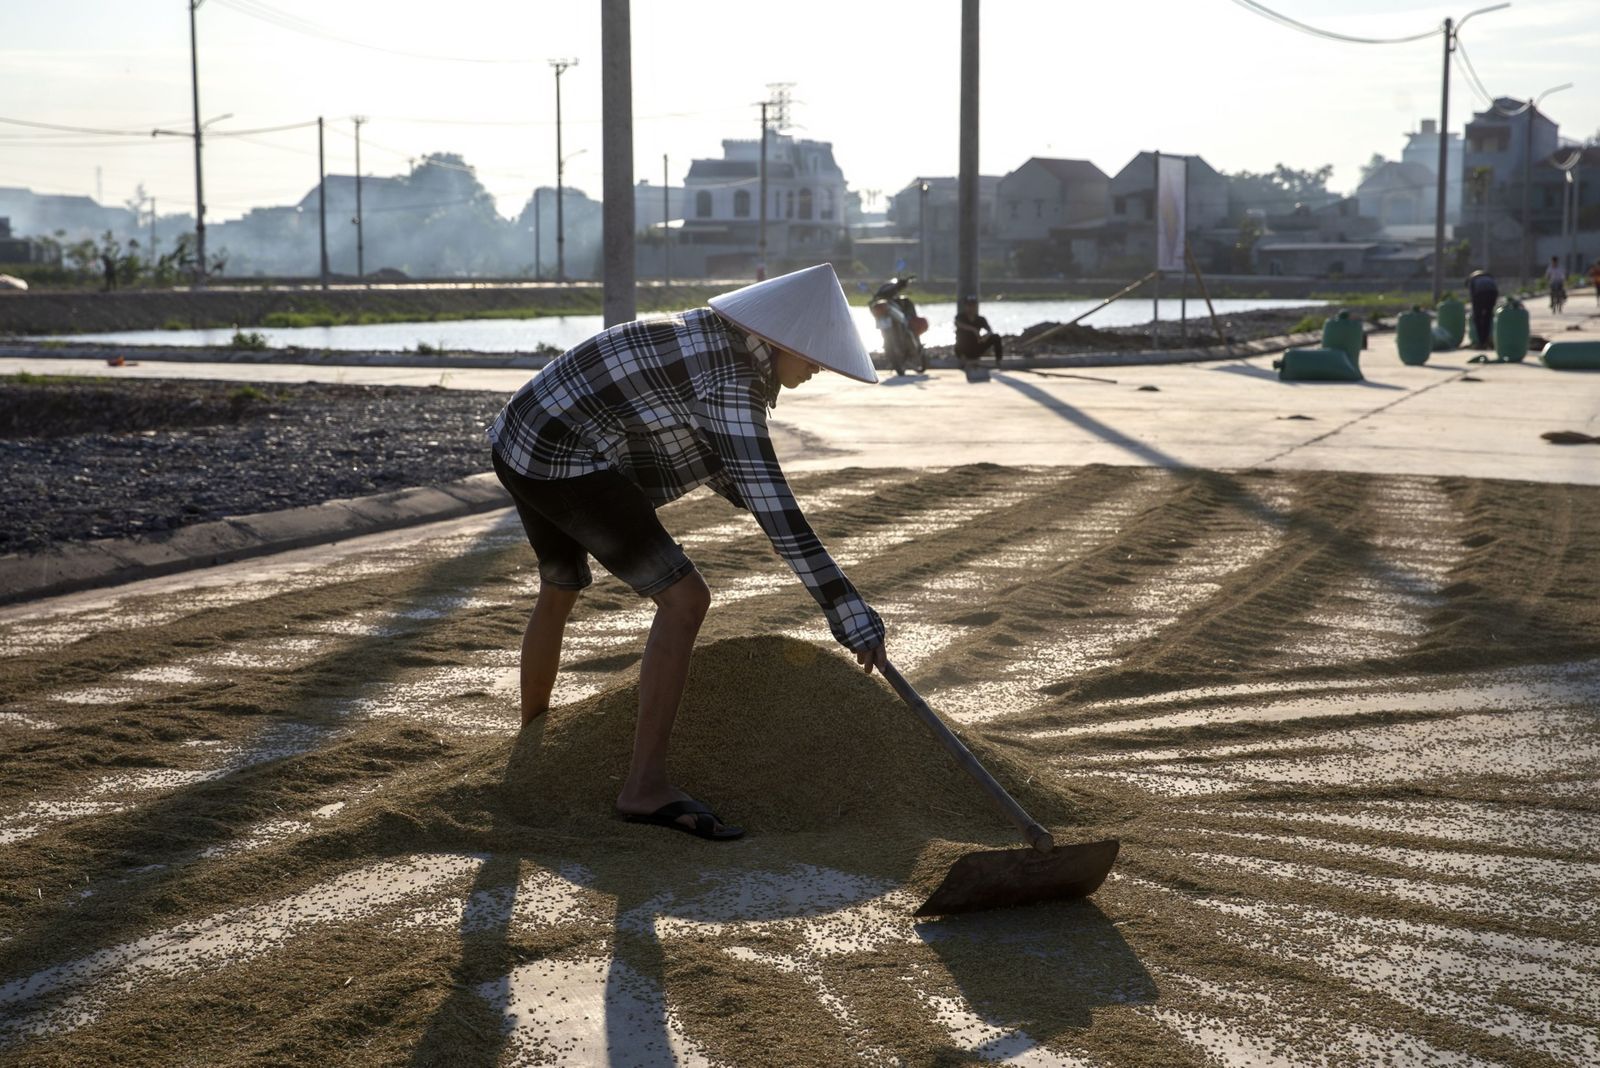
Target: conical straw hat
pixel 804 312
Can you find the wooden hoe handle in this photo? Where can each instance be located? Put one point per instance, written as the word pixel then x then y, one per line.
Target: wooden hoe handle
pixel 1036 835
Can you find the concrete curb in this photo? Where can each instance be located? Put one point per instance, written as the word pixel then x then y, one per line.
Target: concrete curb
pixel 346 358
pixel 113 561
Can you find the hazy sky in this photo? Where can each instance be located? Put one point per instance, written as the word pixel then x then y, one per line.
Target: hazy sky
pixel 1070 78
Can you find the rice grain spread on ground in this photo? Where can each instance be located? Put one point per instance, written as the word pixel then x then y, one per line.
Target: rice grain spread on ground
pixel 1344 726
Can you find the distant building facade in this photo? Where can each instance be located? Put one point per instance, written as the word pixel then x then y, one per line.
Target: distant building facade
pixel 1399 194
pixel 721 230
pixel 1422 149
pixel 1507 147
pixel 22 250
pixel 942 228
pixel 1044 194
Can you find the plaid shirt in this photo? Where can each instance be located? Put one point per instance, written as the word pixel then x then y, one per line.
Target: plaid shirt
pixel 672 404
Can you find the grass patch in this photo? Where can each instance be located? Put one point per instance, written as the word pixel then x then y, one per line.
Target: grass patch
pixel 1370 304
pixel 245 395
pixel 28 378
pixel 1307 324
pixel 295 319
pixel 248 341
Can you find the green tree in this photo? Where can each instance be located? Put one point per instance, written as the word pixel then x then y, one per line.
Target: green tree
pixel 1250 231
pixel 1369 168
pixel 1281 188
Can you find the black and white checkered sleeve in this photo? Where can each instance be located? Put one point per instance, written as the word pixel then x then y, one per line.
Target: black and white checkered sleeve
pixel 736 426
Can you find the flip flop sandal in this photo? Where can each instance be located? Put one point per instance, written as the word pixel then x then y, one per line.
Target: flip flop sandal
pixel 706 823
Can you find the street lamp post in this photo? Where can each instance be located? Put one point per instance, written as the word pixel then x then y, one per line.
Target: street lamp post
pixel 1450 34
pixel 1527 181
pixel 1574 176
pixel 199 183
pixel 560 66
pixel 922 226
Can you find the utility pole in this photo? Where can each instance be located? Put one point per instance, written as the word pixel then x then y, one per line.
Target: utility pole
pixel 616 162
pixel 152 231
pixel 322 206
pixel 967 267
pixel 361 251
pixel 666 228
pixel 761 233
pixel 199 184
pixel 1451 32
pixel 560 66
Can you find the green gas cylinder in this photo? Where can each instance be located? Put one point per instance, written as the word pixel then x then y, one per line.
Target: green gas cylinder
pixel 1345 334
pixel 1413 336
pixel 1511 331
pixel 1453 317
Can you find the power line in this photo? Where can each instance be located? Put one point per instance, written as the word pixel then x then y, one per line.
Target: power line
pixel 1284 20
pixel 143 142
pixel 264 129
pixel 76 129
pixel 283 20
pixel 551 122
pixel 1464 63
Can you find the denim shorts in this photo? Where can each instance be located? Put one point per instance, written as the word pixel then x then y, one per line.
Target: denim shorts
pixel 603 515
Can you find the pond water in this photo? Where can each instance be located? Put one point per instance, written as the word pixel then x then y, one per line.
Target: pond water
pixel 564 331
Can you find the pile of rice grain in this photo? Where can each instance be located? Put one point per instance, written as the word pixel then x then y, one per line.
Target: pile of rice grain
pixel 775 734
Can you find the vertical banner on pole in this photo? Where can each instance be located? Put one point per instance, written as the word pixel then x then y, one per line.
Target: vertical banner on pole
pixel 1171 183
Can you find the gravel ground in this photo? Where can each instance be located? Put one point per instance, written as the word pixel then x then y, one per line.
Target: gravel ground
pixel 86 459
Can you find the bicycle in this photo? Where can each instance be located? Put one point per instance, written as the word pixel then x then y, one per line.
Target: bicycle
pixel 1558 297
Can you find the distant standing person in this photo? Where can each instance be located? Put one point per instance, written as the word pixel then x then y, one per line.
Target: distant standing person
pixel 1594 279
pixel 1557 278
pixel 1483 292
pixel 974 338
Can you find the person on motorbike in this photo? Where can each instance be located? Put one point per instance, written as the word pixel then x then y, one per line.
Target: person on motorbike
pixel 974 337
pixel 897 319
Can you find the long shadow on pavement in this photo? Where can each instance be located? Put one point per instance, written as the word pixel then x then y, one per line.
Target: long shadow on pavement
pixel 1358 548
pixel 168 834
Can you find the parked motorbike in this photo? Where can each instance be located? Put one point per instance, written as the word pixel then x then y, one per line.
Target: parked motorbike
pixel 902 328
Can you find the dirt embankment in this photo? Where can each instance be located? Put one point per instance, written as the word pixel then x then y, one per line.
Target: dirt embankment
pixel 103 459
pixel 78 311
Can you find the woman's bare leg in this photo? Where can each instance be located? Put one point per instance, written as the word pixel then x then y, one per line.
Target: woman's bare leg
pixel 541 649
pixel 680 609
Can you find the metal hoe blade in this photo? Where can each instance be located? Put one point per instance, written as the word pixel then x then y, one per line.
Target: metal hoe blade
pixel 1001 877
